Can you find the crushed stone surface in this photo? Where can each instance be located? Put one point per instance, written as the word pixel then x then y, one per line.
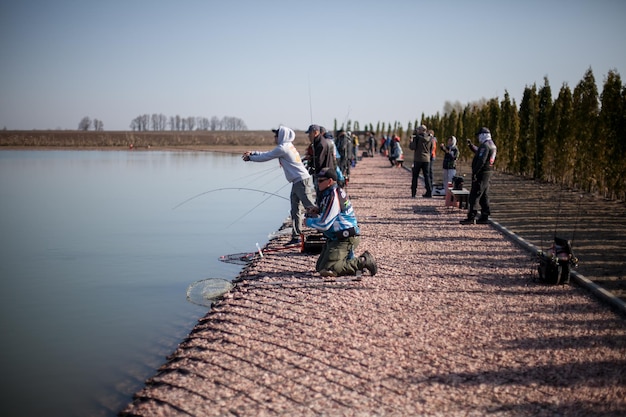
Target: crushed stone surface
pixel 453 324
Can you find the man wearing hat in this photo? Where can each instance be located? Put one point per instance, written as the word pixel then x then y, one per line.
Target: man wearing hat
pixel 422 147
pixel 322 153
pixel 302 192
pixel 336 219
pixel 482 167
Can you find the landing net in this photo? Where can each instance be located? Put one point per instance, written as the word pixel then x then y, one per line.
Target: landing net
pixel 205 291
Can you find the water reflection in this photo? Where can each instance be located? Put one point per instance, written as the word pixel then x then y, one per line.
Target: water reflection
pixel 95 263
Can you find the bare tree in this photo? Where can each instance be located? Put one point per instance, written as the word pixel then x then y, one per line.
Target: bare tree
pixel 233 123
pixel 84 124
pixel 203 123
pixel 177 123
pixel 191 123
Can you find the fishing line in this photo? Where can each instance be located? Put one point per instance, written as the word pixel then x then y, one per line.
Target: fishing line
pixel 230 189
pixel 558 213
pixel 310 101
pixel 253 208
pixel 244 258
pixel 255 174
pixel 580 202
pixel 275 176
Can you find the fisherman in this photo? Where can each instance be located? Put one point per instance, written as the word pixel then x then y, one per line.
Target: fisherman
pixel 302 192
pixel 422 147
pixel 322 153
pixel 343 149
pixel 335 217
pixel 482 168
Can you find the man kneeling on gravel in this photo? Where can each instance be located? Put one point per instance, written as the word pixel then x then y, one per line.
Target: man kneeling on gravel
pixel 336 219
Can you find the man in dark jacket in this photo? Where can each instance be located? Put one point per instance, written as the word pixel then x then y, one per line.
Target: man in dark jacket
pixel 422 147
pixel 482 167
pixel 323 154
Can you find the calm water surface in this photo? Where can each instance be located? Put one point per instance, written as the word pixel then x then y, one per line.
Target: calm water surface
pixel 95 263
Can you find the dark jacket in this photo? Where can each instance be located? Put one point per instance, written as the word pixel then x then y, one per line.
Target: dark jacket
pixel 484 157
pixel 450 157
pixel 422 147
pixel 324 154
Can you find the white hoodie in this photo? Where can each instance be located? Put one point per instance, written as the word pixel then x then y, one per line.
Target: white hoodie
pixel 287 155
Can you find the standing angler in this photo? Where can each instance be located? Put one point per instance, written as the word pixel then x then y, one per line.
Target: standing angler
pixel 322 153
pixel 422 147
pixel 482 167
pixel 302 191
pixel 336 219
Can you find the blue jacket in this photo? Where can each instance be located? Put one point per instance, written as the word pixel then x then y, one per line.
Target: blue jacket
pixel 336 215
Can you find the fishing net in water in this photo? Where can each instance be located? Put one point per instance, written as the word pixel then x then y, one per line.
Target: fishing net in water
pixel 239 258
pixel 205 291
pixel 244 258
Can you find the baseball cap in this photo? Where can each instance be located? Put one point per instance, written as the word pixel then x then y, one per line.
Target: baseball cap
pixel 327 173
pixel 312 128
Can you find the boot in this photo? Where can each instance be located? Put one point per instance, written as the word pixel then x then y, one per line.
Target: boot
pixel 469 220
pixel 366 261
pixel 482 219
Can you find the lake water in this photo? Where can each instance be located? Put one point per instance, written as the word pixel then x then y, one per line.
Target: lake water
pixel 95 262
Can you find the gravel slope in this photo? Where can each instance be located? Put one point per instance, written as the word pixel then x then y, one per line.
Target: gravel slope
pixel 452 325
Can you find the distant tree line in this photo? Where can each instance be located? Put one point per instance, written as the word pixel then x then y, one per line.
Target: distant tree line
pixel 577 140
pixel 160 122
pixel 86 123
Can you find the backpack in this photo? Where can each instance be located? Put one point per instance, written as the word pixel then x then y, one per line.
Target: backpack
pixel 457 183
pixel 556 262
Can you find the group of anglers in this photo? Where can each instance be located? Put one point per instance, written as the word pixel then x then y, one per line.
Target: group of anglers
pixel 319 180
pixel 322 193
pixel 423 144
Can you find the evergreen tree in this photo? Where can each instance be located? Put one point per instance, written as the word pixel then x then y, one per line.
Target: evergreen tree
pixel 508 134
pixel 470 127
pixel 543 128
pixel 528 131
pixel 586 110
pixel 563 148
pixel 612 130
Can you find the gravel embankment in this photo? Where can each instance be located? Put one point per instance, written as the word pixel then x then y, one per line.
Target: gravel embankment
pixel 452 325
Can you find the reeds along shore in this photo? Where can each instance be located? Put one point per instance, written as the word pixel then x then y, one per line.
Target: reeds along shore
pixel 93 139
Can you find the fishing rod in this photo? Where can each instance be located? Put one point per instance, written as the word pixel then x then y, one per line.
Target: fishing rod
pixel 231 189
pixel 253 208
pixel 258 174
pixel 246 257
pixel 580 203
pixel 310 101
pixel 558 213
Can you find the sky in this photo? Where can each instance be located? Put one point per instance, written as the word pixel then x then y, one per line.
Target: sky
pixel 291 62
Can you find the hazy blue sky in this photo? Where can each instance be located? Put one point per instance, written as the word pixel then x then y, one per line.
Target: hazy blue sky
pixel 277 62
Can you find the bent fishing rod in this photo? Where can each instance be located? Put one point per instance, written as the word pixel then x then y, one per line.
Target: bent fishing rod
pixel 231 189
pixel 253 208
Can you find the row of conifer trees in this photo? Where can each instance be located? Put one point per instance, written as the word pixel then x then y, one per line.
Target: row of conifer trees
pixel 577 140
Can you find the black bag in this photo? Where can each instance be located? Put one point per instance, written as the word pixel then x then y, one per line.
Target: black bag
pixel 314 243
pixel 556 262
pixel 457 183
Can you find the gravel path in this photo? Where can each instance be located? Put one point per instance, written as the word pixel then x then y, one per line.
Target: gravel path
pixel 452 325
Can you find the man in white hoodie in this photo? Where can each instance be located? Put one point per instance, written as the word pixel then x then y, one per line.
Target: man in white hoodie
pixel 302 191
